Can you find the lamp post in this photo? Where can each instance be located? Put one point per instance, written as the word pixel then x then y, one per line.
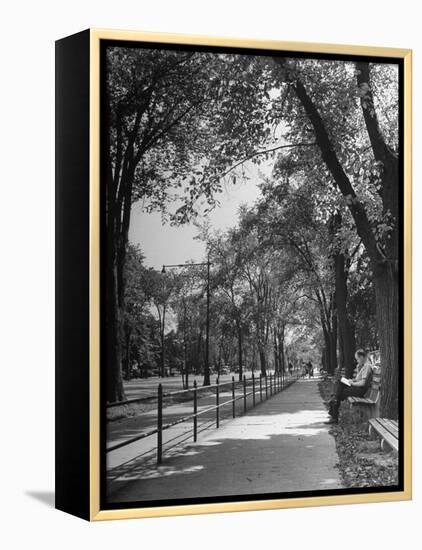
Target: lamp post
pixel 207 380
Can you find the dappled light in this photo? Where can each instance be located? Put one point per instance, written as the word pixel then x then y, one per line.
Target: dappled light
pixel 283 431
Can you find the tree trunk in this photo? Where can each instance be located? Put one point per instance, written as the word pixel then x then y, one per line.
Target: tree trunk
pixel 345 332
pixel 282 359
pixel 330 352
pixel 113 363
pixel 324 359
pixel 387 295
pixel 276 352
pixel 333 345
pixel 240 351
pixel 262 359
pixel 126 361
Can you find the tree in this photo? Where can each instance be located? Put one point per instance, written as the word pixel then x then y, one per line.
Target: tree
pixel 229 280
pixel 182 123
pixel 380 234
pixel 160 108
pixel 289 216
pixel 137 296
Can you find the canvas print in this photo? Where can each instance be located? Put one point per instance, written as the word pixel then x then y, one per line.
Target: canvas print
pixel 251 274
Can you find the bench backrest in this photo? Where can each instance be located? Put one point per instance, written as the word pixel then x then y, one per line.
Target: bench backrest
pixel 373 392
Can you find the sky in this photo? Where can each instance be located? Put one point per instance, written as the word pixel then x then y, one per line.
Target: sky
pixel 166 244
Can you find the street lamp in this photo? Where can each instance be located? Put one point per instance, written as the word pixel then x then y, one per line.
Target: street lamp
pixel 207 380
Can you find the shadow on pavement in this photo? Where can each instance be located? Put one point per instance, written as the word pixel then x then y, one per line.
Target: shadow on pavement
pixel 265 451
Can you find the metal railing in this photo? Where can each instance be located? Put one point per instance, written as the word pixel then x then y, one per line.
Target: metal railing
pixel 258 389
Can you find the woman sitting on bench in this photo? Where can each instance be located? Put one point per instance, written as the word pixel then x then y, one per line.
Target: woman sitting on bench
pixel 356 387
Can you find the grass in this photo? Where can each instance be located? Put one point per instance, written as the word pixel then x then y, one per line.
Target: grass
pixel 135 409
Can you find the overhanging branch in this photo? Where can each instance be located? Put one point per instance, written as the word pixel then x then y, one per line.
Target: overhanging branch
pixel 267 151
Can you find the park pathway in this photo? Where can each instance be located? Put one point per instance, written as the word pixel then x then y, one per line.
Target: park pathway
pixel 119 431
pixel 280 446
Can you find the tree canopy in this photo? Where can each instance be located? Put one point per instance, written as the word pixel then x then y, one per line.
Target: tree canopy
pixel 316 258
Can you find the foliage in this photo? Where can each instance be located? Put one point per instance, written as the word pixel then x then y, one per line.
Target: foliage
pixel 183 124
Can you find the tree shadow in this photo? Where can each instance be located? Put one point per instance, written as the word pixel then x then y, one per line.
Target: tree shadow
pixel 273 448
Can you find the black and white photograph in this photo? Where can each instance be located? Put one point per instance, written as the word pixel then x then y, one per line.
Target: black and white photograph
pixel 251 274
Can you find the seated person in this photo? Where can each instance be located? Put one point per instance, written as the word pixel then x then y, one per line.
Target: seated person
pixel 358 385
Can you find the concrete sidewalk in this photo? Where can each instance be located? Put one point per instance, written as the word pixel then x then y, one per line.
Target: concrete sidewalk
pixel 119 431
pixel 280 446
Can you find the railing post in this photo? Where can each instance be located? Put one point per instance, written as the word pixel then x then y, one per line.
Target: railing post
pixel 271 384
pixel 195 411
pixel 260 387
pixel 266 386
pixel 217 403
pixel 160 424
pixel 253 389
pixel 244 394
pixel 234 397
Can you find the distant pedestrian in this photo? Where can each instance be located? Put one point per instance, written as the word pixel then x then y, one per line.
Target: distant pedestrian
pixel 290 367
pixel 310 369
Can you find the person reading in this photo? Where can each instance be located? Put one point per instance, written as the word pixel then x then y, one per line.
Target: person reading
pixel 356 387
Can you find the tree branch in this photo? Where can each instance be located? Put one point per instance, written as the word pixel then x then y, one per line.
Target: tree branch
pixel 380 148
pixel 256 153
pixel 331 160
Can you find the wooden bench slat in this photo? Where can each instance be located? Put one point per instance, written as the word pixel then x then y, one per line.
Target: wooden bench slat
pixel 393 423
pixel 370 402
pixel 391 441
pixel 378 424
pixel 391 426
pixel 363 400
pixel 388 424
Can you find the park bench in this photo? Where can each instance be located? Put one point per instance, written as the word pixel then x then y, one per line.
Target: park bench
pixel 368 406
pixel 388 430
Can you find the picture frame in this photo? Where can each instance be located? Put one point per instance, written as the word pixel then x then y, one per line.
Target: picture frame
pixel 80 277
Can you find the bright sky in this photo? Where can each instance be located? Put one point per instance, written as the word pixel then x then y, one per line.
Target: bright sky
pixel 164 244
